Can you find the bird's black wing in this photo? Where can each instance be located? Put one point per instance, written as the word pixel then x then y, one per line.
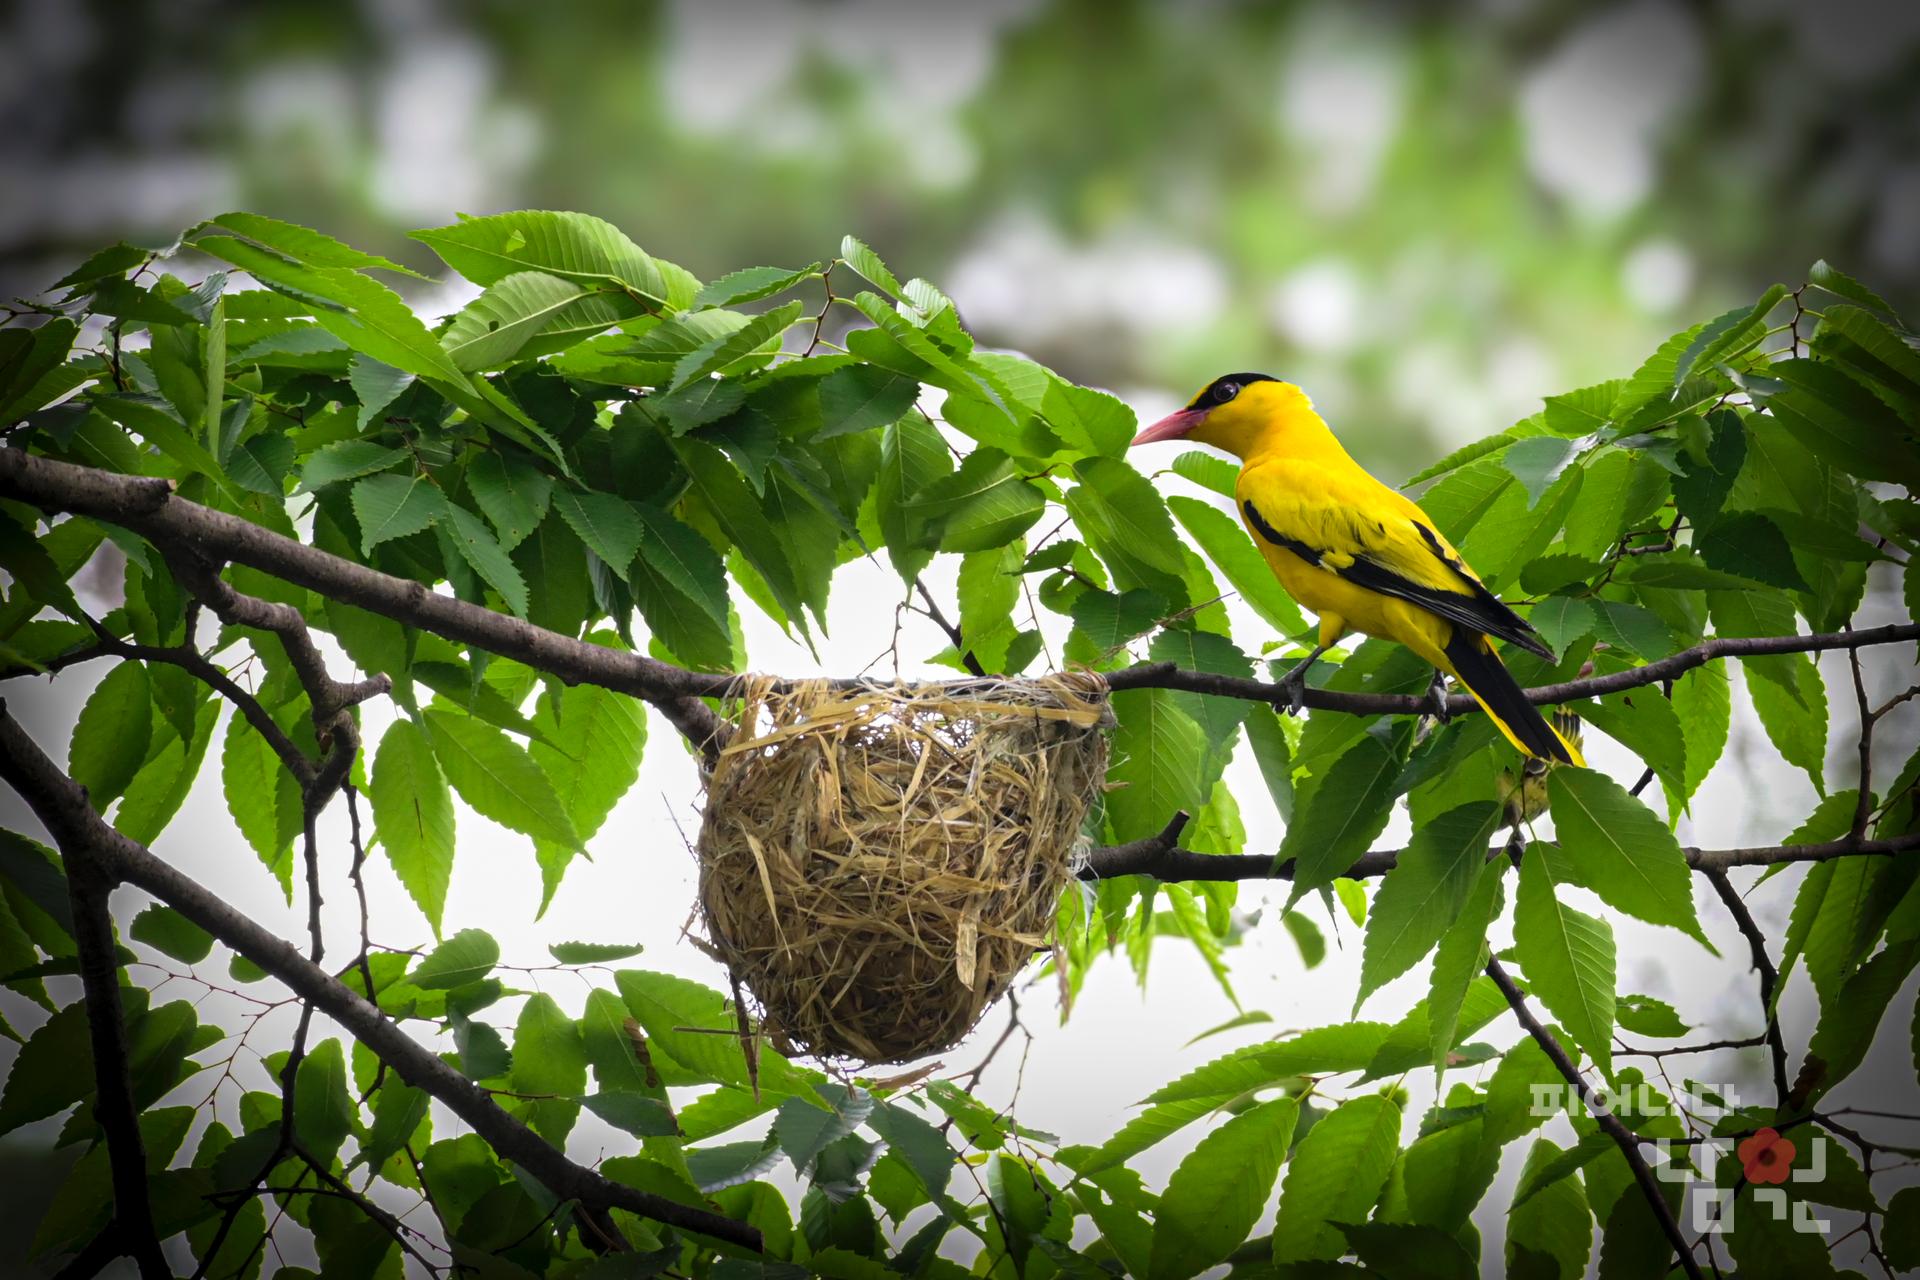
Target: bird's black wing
pixel 1473 607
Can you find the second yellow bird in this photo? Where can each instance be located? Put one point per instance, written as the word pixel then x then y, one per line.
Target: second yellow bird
pixel 1361 555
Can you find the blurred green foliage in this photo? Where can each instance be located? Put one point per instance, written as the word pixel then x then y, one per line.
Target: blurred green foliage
pixel 1429 218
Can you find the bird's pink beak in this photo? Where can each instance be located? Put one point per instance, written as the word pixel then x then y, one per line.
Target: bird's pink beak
pixel 1174 426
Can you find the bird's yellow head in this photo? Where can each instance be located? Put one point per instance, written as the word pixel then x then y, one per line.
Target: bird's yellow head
pixel 1238 413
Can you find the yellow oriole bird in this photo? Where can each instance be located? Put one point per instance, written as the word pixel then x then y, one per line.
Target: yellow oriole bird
pixel 1361 555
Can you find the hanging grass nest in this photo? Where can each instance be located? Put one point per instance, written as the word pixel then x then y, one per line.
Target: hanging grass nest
pixel 877 865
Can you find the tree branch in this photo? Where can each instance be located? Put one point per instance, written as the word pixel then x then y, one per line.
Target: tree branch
pixel 88 888
pixel 62 806
pixel 1608 1122
pixel 1164 675
pixel 1769 976
pixel 1162 858
pixel 148 507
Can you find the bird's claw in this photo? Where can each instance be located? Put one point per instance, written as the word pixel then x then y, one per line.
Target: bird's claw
pixel 1295 687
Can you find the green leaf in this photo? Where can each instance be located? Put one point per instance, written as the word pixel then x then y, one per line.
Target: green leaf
pixel 1646 724
pixel 161 429
pixel 467 956
pixel 1621 849
pixel 1842 422
pixel 750 284
pixel 1088 420
pixel 498 778
pixel 398 1110
pixel 717 354
pixel 166 930
pixel 394 506
pixel 1219 1191
pixel 1568 957
pixel 862 397
pixel 1123 519
pixel 593 952
pixel 1561 620
pixel 868 264
pixel 1460 958
pixel 1345 812
pixel 639 1115
pixel 1421 897
pixel 1334 1177
pixel 53 1070
pixel 323 1113
pixel 413 817
pixel 601 735
pixel 160 788
pixel 478 548
pixel 608 525
pixel 804 1130
pixel 1109 620
pixel 1208 471
pixel 1702 701
pixel 1159 756
pixel 1900 1233
pixel 110 738
pixel 1795 718
pixel 512 492
pixel 375 385
pixel 1539 461
pixel 983 505
pixel 347 460
pixel 912 456
pixel 1549 1218
pixel 1394 1248
pixel 680 585
pixel 530 313
pixel 548 1058
pixel 1646 1016
pixel 1234 554
pixel 1348 1046
pixel 1752 546
pixel 682 1018
pixel 302 244
pixel 1632 628
pixel 572 246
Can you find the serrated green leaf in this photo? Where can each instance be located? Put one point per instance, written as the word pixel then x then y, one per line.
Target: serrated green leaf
pixel 1568 957
pixel 865 261
pixel 1421 897
pixel 1233 553
pixel 323 1113
pixel 549 1058
pixel 1334 1177
pixel 346 460
pixel 394 506
pixel 467 956
pixel 607 525
pixel 477 546
pixel 512 492
pixel 111 737
pixel 413 817
pixel 718 354
pixel 1344 813
pixel 863 397
pixel 168 931
pixel 1459 959
pixel 498 778
pixel 1219 1191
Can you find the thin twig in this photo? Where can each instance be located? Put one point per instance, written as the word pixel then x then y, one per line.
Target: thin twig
pixel 1769 977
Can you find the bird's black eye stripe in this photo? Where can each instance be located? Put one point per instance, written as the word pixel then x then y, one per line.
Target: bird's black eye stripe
pixel 1223 390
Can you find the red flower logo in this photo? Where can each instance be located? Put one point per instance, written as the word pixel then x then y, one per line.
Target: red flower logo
pixel 1766 1157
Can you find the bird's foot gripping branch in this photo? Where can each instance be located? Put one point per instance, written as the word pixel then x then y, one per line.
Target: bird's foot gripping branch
pixel 502 535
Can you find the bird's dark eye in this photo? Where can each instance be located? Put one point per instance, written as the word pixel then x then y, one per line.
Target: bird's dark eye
pixel 1226 391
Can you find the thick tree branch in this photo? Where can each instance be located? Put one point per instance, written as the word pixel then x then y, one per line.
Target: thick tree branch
pixel 1162 858
pixel 62 806
pixel 148 506
pixel 1609 1123
pixel 88 888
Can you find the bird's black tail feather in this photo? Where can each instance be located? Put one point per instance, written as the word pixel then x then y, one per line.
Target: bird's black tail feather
pixel 1488 679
